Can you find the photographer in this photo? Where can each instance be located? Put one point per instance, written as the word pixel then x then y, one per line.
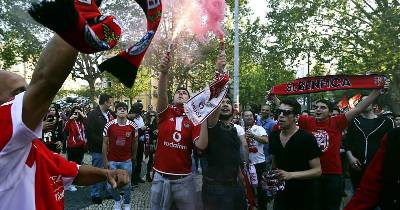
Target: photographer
pixel 52 135
pixel 76 139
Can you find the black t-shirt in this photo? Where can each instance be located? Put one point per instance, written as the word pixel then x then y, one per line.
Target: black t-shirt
pixel 295 156
pixel 222 153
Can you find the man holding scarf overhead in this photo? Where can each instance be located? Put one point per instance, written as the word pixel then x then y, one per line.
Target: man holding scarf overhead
pixel 328 130
pixel 173 179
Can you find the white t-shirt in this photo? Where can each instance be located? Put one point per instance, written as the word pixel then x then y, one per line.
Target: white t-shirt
pixel 239 130
pixel 257 157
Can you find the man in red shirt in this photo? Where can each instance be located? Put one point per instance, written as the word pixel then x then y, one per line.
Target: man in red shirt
pixel 328 133
pixel 32 176
pixel 173 180
pixel 119 147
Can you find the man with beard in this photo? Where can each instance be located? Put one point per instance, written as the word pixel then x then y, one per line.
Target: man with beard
pixel 362 141
pixel 222 179
pixel 328 133
pixel 173 182
pixel 295 158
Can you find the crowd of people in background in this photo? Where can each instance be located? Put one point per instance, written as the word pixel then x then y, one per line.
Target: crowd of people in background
pixel 309 150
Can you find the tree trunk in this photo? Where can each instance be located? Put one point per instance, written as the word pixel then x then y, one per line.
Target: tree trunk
pixel 92 91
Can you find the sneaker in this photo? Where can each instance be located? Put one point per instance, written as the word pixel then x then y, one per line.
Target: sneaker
pixel 127 206
pixel 117 205
pixel 97 200
pixel 72 188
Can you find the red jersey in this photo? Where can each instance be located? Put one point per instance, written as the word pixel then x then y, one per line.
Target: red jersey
pixel 76 134
pixel 120 139
pixel 176 135
pixel 328 134
pixel 32 176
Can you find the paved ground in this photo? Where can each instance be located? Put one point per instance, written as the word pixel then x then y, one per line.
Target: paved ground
pixel 140 196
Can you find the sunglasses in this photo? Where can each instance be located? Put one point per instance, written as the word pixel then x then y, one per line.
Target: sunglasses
pixel 285 112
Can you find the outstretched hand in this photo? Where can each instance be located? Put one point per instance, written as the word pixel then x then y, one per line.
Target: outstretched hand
pixel 117 178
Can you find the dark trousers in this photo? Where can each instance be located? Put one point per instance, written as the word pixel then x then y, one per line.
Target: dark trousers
pixel 355 177
pixel 150 164
pixel 331 191
pixel 261 195
pixel 75 155
pixel 222 197
pixel 139 160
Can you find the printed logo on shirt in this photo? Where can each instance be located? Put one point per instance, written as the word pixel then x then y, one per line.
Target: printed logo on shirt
pixel 177 136
pixel 120 141
pixel 322 138
pixel 58 187
pixel 128 134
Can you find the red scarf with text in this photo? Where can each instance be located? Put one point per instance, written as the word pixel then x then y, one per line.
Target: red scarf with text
pixel 329 83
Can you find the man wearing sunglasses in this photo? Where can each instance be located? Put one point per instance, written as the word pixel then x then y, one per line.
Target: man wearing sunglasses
pixel 328 133
pixel 295 158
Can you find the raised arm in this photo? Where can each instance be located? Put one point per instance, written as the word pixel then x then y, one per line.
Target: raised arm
pixel 350 115
pixel 55 64
pixel 162 102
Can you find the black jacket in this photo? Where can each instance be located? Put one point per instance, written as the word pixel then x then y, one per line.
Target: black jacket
pixel 95 124
pixel 390 196
pixel 364 145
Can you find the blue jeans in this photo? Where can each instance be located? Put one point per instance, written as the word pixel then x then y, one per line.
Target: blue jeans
pixel 126 165
pixel 221 197
pixel 180 192
pixel 97 161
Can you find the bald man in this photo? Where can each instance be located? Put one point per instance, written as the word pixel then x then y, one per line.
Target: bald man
pixel 33 177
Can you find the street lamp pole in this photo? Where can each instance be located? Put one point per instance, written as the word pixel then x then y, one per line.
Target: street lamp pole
pixel 236 56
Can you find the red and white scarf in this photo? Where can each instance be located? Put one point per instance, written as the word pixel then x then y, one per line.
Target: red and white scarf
pixel 329 83
pixel 203 103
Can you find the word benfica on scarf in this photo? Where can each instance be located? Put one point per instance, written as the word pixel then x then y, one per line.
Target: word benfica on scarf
pixel 329 83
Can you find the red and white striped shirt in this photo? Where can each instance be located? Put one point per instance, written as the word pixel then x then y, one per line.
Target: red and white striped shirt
pixel 32 177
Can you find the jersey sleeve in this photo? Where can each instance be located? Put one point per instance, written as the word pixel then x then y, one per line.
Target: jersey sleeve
pixel 196 132
pixel 106 128
pixel 67 169
pixel 22 135
pixel 313 150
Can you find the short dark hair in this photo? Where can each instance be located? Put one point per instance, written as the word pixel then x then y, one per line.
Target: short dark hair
pixel 103 98
pixel 294 104
pixel 182 88
pixel 121 104
pixel 327 102
pixel 337 109
pixel 249 110
pixel 136 108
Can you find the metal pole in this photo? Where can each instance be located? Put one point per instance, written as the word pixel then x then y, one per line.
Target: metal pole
pixel 236 56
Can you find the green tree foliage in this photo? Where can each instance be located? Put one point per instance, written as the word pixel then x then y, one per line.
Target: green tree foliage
pixel 350 37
